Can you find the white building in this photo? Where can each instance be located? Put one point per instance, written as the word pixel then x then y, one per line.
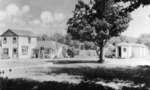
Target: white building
pixel 131 50
pixel 50 49
pixel 17 44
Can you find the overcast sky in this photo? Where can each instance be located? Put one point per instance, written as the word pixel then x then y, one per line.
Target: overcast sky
pixel 49 16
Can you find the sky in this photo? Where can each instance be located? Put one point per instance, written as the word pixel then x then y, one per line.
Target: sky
pixel 50 16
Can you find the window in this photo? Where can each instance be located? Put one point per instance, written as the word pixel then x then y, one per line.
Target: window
pixel 124 49
pixel 29 40
pixel 5 51
pixel 14 40
pixel 4 40
pixel 15 51
pixel 0 43
pixel 24 50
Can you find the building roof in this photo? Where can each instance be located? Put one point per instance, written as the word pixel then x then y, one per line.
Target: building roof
pixel 131 44
pixel 49 44
pixel 24 33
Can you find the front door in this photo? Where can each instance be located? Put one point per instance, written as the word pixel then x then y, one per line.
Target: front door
pixel 119 52
pixel 15 53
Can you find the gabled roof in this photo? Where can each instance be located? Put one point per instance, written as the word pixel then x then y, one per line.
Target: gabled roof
pixel 23 33
pixel 131 44
pixel 50 44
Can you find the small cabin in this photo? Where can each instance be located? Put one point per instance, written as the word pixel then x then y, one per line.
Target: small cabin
pixel 131 50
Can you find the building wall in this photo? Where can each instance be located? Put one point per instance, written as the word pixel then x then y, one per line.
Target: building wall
pixel 132 51
pixel 125 53
pixel 10 45
pixel 24 43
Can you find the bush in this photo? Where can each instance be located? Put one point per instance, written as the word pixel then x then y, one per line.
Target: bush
pixel 72 52
pixel 109 51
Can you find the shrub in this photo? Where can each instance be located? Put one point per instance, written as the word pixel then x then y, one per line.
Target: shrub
pixel 72 52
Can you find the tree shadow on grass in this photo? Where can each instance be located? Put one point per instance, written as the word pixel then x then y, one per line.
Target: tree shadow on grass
pixel 22 84
pixel 138 75
pixel 72 62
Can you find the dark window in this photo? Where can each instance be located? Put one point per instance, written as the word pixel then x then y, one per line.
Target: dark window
pixel 29 39
pixel 14 40
pixel 0 43
pixel 124 49
pixel 5 40
pixel 15 51
pixel 5 51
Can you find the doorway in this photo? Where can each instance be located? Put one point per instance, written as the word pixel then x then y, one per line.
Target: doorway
pixel 15 53
pixel 119 52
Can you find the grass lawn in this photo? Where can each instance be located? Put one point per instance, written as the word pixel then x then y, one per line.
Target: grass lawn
pixel 91 76
pixel 93 79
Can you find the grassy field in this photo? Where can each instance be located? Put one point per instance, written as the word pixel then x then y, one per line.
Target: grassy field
pixel 75 75
pixel 131 76
pixel 92 79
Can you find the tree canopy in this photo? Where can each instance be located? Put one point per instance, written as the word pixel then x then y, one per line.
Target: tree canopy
pixel 133 4
pixel 98 21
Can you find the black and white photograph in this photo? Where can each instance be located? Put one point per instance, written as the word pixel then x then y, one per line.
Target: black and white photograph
pixel 74 44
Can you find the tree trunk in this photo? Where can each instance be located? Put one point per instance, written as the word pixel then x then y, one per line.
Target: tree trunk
pixel 101 58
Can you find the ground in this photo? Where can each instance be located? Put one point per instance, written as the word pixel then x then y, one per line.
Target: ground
pixel 42 70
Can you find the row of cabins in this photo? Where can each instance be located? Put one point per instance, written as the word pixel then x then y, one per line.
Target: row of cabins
pixel 24 44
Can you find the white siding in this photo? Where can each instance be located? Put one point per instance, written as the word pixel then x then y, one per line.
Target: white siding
pixel 10 45
pixel 133 51
pixel 23 41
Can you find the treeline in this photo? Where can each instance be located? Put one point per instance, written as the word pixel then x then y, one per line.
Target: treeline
pixel 66 39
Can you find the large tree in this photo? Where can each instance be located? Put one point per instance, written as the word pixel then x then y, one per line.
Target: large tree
pixel 98 21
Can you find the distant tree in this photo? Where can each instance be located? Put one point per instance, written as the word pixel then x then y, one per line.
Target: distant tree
pixel 71 52
pixel 58 38
pixel 76 44
pixel 144 39
pixel 89 45
pixel 43 37
pixel 68 41
pixel 97 22
pixel 121 39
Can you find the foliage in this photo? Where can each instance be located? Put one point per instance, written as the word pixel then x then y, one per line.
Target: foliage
pixel 55 37
pixel 97 22
pixel 89 45
pixel 145 39
pixel 43 37
pixel 133 4
pixel 109 51
pixel 58 38
pixel 72 52
pixel 115 40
